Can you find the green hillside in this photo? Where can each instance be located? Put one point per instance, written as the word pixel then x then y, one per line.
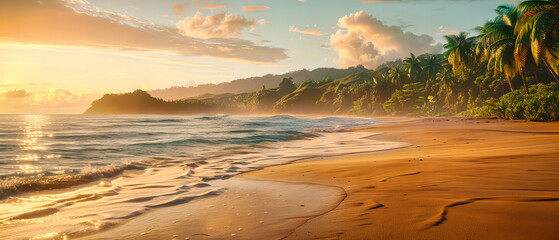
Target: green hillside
pixel 510 70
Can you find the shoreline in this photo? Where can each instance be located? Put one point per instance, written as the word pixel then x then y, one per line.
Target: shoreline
pixel 416 191
pixel 165 183
pixel 307 201
pixel 482 179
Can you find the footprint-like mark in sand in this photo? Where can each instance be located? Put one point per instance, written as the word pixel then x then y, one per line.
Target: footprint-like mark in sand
pixel 441 216
pixel 401 175
pixel 375 206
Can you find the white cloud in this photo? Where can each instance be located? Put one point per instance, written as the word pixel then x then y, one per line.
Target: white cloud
pixel 263 21
pixel 306 31
pixel 443 31
pixel 363 39
pixel 217 26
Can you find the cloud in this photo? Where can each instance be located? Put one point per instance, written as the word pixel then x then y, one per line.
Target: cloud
pixel 307 31
pixel 44 101
pixel 220 25
pixel 55 97
pixel 363 39
pixel 255 8
pixel 443 31
pixel 212 6
pixel 14 94
pixel 178 10
pixel 263 21
pixel 66 23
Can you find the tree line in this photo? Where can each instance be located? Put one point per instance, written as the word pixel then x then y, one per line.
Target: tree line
pixel 508 70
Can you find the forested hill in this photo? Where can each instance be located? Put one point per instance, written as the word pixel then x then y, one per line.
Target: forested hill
pixel 252 84
pixel 510 70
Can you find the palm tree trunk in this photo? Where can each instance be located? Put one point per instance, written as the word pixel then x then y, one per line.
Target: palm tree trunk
pixel 510 83
pixel 524 80
pixel 550 70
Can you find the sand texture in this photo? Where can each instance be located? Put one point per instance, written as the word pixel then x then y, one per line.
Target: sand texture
pixel 247 209
pixel 460 179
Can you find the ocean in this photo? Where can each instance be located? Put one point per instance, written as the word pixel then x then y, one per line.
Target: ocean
pixel 78 174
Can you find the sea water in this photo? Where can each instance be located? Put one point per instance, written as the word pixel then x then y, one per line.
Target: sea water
pixel 70 175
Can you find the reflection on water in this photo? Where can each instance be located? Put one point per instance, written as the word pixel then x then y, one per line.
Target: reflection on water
pixel 31 143
pixel 106 170
pixel 47 145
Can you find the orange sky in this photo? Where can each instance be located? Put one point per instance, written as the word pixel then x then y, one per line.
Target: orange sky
pixel 58 55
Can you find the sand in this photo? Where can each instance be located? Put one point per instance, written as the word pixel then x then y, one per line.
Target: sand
pixel 459 179
pixel 248 209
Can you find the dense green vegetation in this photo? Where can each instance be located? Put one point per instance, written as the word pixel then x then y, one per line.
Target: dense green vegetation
pixel 140 102
pixel 510 70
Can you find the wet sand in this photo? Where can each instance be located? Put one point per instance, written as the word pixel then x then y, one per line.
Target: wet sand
pixel 248 209
pixel 460 179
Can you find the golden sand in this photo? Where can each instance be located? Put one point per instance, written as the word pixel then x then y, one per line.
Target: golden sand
pixel 461 179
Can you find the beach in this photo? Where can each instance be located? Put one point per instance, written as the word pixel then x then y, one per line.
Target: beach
pixel 459 179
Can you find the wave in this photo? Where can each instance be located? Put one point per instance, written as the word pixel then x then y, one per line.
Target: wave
pixel 164 120
pixel 14 185
pixel 92 142
pixel 213 117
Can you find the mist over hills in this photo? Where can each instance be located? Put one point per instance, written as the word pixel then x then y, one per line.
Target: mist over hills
pixel 251 84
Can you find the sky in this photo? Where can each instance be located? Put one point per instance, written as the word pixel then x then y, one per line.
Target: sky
pixel 56 56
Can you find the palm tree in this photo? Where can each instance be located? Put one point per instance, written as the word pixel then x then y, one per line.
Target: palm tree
pixel 460 49
pixel 445 81
pixel 537 32
pixel 398 75
pixel 497 42
pixel 414 66
pixel 432 64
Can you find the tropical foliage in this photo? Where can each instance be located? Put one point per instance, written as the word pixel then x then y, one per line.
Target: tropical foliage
pixel 509 70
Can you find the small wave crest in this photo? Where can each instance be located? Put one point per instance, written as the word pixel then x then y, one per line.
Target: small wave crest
pixel 10 186
pixel 166 120
pixel 213 117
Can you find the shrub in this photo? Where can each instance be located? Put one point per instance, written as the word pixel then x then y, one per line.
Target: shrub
pixel 540 104
pixel 483 111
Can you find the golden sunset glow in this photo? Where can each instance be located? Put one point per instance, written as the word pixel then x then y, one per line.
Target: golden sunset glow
pixel 57 56
pixel 279 119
